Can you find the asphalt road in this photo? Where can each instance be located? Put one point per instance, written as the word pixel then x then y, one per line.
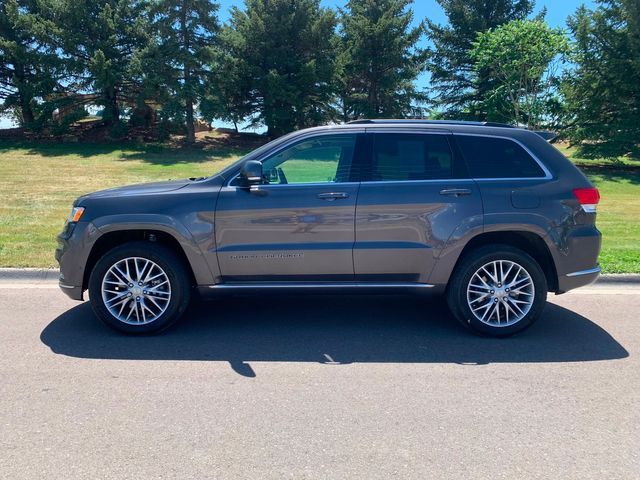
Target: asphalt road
pixel 319 387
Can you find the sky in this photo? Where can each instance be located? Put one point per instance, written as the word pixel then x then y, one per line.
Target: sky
pixel 557 13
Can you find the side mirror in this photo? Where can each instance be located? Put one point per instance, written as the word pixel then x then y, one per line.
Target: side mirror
pixel 251 173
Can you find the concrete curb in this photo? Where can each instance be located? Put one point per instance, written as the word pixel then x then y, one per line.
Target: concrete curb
pixel 29 274
pixel 51 274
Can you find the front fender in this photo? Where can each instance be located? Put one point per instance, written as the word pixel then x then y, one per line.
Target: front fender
pixel 163 223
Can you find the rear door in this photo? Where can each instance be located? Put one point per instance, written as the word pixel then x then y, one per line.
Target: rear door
pixel 413 197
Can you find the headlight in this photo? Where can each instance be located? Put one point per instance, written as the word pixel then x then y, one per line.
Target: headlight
pixel 76 213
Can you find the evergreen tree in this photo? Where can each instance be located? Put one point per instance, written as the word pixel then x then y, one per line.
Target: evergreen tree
pixel 379 60
pixel 225 95
pixel 281 53
pixel 603 92
pixel 459 88
pixel 183 50
pixel 101 39
pixel 29 66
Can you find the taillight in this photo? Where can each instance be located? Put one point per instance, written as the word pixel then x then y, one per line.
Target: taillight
pixel 588 198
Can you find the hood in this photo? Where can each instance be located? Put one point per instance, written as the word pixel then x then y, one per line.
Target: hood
pixel 139 189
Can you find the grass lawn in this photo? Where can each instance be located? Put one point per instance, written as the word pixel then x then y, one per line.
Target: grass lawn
pixel 38 183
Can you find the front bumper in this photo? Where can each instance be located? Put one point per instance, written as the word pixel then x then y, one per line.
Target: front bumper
pixel 74 245
pixel 74 293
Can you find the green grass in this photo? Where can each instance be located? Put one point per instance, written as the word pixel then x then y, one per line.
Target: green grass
pixel 38 183
pixel 618 211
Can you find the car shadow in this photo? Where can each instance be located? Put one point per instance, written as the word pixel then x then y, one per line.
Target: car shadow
pixel 331 330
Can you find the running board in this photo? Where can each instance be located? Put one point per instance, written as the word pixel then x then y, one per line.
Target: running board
pixel 313 285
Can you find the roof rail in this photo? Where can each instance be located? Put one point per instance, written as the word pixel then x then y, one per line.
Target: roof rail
pixel 430 122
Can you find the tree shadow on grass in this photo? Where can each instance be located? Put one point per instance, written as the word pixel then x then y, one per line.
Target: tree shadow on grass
pixel 612 172
pixel 151 154
pixel 331 330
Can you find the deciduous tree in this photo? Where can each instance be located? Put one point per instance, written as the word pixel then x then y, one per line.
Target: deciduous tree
pixel 518 59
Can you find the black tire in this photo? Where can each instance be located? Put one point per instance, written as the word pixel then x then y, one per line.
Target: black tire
pixel 463 274
pixel 168 261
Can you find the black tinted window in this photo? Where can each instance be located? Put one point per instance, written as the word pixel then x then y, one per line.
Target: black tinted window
pixel 488 157
pixel 400 156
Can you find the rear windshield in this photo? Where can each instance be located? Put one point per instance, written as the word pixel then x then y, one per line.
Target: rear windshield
pixel 490 157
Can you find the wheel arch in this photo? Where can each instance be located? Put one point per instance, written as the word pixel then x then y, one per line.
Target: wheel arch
pixel 529 242
pixel 197 270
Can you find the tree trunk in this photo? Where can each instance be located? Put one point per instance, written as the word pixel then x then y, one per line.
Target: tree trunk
pixel 111 111
pixel 25 99
pixel 188 92
pixel 188 111
pixel 27 112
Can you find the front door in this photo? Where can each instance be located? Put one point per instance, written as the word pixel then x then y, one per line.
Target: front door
pixel 299 224
pixel 412 200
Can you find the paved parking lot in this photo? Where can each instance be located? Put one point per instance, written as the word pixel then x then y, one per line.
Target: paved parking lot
pixel 319 387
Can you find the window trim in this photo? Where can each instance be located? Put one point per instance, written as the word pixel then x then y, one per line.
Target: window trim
pixel 543 167
pixel 297 139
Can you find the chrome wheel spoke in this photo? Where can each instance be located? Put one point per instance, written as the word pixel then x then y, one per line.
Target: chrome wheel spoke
pixel 136 290
pixel 500 293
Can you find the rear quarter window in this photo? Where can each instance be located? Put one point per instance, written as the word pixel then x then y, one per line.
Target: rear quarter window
pixel 490 157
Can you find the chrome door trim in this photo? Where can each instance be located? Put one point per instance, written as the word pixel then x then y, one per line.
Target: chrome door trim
pixel 259 285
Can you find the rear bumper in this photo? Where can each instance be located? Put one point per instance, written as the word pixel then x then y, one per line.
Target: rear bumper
pixel 576 257
pixel 578 279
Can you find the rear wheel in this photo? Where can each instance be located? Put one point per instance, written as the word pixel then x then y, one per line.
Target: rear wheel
pixel 497 290
pixel 139 287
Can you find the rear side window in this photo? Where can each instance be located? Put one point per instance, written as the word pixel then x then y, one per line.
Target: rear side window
pixel 489 157
pixel 400 156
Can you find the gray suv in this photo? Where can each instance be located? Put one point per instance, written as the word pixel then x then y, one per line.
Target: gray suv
pixel 490 216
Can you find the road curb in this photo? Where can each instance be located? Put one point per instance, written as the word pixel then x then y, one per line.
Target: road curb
pixel 619 278
pixel 51 274
pixel 29 274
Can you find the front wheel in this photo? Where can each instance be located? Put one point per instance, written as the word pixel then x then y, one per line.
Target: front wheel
pixel 497 290
pixel 139 287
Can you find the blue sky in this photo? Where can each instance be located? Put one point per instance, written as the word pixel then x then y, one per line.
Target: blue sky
pixel 557 13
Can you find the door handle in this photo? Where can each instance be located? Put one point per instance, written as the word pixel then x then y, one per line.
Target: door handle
pixel 456 192
pixel 331 196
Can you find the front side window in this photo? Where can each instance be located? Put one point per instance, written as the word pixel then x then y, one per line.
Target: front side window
pixel 410 156
pixel 490 157
pixel 326 158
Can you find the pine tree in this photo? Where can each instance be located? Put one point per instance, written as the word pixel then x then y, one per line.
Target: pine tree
pixel 379 60
pixel 185 33
pixel 458 88
pixel 282 56
pixel 101 39
pixel 29 66
pixel 603 92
